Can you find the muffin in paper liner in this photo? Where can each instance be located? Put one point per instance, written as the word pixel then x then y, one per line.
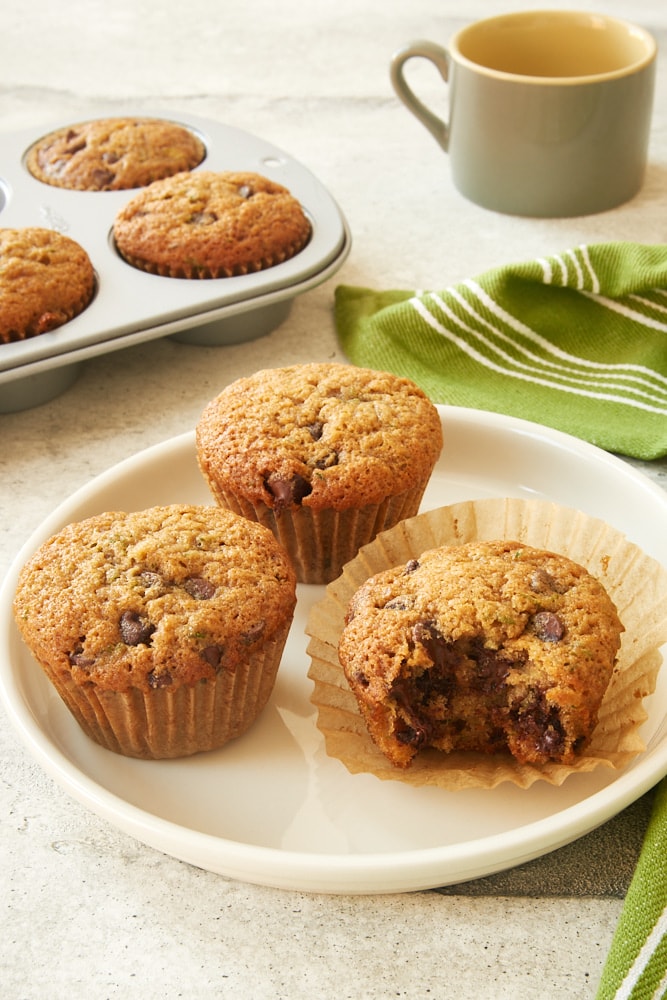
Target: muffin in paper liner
pixel 162 629
pixel 325 455
pixel 636 584
pixel 321 541
pixel 166 723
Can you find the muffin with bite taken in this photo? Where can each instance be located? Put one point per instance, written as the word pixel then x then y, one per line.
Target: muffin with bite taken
pixel 492 646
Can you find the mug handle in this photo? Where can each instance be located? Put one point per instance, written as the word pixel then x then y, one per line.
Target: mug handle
pixel 440 58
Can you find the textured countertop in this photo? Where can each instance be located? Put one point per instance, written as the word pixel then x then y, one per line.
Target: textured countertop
pixel 88 911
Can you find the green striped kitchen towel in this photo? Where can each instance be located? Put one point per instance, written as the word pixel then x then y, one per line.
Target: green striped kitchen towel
pixel 636 966
pixel 576 341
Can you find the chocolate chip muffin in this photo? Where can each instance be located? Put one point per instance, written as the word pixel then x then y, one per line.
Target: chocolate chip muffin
pixel 488 646
pixel 46 279
pixel 162 629
pixel 114 154
pixel 325 455
pixel 211 225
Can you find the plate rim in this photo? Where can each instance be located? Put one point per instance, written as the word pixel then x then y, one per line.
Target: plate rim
pixel 350 873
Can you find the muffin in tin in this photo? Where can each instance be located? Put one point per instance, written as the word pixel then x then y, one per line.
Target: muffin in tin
pixel 46 279
pixel 114 154
pixel 209 224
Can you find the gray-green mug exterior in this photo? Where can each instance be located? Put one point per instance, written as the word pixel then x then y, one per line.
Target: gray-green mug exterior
pixel 536 146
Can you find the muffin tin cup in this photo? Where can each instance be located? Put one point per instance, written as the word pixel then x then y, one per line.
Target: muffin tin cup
pixel 131 306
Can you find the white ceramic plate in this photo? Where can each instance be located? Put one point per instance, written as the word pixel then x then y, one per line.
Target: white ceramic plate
pixel 271 808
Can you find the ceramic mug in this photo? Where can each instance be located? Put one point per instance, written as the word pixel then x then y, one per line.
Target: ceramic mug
pixel 549 111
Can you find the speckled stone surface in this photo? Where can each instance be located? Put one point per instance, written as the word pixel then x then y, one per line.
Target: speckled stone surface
pixel 88 912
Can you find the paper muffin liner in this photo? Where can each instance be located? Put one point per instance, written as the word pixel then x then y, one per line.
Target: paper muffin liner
pixel 320 542
pixel 636 583
pixel 195 272
pixel 192 718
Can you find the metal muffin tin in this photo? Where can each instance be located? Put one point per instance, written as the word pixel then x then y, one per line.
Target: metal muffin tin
pixel 131 306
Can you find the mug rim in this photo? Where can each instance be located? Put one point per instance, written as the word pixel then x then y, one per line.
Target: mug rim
pixel 630 27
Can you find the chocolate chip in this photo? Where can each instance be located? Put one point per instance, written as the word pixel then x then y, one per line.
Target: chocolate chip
pixel 134 628
pixel 203 218
pixel 548 626
pixel 161 680
pixel 288 492
pixel 411 737
pixel 427 635
pixel 102 178
pixel 245 191
pixel 397 604
pixel 78 146
pixel 315 430
pixel 411 566
pixel 254 633
pixel 327 461
pixel 361 679
pixel 77 659
pixel 542 582
pixel 199 588
pixel 212 655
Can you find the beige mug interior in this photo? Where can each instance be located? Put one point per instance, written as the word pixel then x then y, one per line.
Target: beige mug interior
pixel 554 44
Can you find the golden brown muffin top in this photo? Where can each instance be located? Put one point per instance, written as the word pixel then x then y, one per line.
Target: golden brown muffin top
pixel 319 435
pixel 211 225
pixel 114 154
pixel 524 633
pixel 154 598
pixel 46 279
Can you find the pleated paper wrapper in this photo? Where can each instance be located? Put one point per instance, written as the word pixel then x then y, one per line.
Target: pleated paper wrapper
pixel 636 583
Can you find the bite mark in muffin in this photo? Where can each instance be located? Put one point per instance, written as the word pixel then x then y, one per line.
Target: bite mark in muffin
pixel 490 647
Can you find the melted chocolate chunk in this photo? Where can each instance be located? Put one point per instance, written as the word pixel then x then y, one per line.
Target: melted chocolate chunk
pixel 539 724
pixel 437 647
pixel 548 626
pixel 491 671
pixel 134 628
pixel 415 695
pixel 199 588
